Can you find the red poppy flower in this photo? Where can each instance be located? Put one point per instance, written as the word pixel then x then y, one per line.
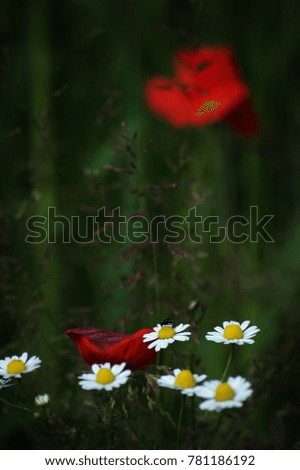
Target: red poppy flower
pixel 207 87
pixel 100 346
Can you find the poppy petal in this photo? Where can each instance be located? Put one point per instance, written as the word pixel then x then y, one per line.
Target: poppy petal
pixel 244 119
pixel 206 67
pixel 99 346
pixel 97 336
pixel 165 98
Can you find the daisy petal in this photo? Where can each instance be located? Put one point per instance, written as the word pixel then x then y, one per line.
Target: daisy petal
pixel 245 324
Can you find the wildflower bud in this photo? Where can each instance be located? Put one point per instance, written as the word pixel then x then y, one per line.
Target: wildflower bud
pixel 41 400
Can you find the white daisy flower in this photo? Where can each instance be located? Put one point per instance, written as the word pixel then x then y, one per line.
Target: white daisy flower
pixel 165 334
pixel 5 383
pixel 16 366
pixel 42 400
pixel 182 380
pixel 105 377
pixel 233 332
pixel 220 395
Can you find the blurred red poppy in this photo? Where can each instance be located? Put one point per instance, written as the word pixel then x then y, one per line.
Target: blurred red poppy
pixel 99 346
pixel 207 87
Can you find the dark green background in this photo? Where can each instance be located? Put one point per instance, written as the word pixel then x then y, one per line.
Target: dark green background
pixel 71 73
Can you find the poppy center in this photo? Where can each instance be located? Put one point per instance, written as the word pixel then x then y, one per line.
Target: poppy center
pixel 105 376
pixel 16 367
pixel 185 379
pixel 233 332
pixel 224 392
pixel 166 332
pixel 207 107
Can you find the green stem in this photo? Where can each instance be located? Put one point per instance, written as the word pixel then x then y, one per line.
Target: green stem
pixel 228 363
pixel 215 431
pixel 137 436
pixel 14 405
pixel 130 427
pixel 112 403
pixel 43 175
pixel 179 422
pixel 157 298
pixel 178 356
pixel 23 390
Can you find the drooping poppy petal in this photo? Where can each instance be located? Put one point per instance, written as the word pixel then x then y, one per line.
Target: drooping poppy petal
pixel 207 87
pixel 243 118
pixel 99 346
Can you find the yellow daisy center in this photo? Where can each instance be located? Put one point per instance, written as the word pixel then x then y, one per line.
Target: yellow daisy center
pixel 166 332
pixel 16 367
pixel 207 107
pixel 185 379
pixel 233 332
pixel 224 392
pixel 105 376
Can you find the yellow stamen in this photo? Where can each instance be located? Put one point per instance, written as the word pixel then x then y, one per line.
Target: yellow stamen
pixel 207 107
pixel 185 379
pixel 166 332
pixel 16 367
pixel 224 392
pixel 233 332
pixel 105 376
